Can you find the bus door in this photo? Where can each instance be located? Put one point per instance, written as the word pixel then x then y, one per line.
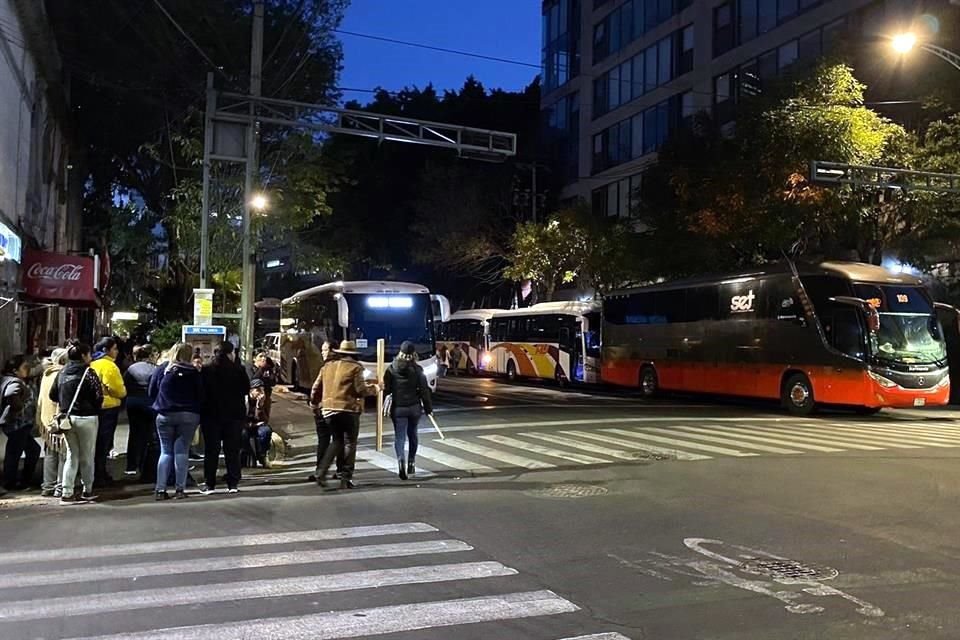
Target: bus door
pixel 841 382
pixel 589 343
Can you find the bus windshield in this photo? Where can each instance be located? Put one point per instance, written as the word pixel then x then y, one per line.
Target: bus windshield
pixel 394 317
pixel 909 332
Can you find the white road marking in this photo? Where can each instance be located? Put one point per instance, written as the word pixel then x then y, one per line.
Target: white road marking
pixel 545 451
pixel 218 542
pixel 452 461
pixel 637 446
pixel 370 622
pixel 600 636
pixel 45 576
pixel 231 591
pixel 910 436
pixel 389 463
pixel 686 444
pixel 818 435
pixel 721 440
pixel 923 426
pixel 583 446
pixel 746 434
pixel 866 436
pixel 496 454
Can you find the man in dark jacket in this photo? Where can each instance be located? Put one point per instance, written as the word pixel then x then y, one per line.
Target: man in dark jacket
pixel 226 387
pixel 17 421
pixel 142 419
pixel 405 381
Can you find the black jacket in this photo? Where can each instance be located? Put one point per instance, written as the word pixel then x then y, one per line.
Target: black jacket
pixel 65 386
pixel 13 397
pixel 226 387
pixel 406 381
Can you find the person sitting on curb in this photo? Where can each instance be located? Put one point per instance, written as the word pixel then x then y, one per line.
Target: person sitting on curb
pixel 257 434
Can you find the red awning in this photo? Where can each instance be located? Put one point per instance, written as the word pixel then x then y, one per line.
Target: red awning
pixel 57 278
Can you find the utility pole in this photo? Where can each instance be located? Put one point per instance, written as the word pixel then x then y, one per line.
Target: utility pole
pixel 205 206
pixel 249 263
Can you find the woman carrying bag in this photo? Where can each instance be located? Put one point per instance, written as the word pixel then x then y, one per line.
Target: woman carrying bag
pixel 405 381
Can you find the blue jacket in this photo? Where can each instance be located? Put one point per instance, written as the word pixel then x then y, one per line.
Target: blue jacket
pixel 177 389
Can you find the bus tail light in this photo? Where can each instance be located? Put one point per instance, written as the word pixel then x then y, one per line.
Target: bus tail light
pixel 886 383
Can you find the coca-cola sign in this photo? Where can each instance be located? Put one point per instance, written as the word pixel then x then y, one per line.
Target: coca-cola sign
pixel 55 277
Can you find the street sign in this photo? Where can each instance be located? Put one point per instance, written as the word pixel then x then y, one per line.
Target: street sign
pixel 883 177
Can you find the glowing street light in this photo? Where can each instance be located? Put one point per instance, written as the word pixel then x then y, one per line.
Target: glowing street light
pixel 903 42
pixel 259 202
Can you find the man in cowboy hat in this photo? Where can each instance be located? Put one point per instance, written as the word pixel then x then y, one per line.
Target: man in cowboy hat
pixel 339 394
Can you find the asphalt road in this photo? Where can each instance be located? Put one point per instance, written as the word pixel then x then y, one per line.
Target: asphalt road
pixel 543 515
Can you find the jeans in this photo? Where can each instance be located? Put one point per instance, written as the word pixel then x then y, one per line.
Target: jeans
pixel 81 446
pixel 324 437
pixel 108 427
pixel 54 461
pixel 176 431
pixel 256 440
pixel 20 442
pixel 229 433
pixel 405 421
pixel 142 424
pixel 346 430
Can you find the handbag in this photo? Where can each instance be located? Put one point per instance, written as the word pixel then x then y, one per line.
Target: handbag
pixel 61 422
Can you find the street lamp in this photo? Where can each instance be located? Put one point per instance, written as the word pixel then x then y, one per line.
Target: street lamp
pixel 259 202
pixel 903 43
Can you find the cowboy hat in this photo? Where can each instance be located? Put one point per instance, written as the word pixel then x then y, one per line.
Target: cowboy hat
pixel 347 348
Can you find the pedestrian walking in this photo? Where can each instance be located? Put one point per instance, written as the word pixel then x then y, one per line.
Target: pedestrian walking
pixel 443 361
pixel 405 381
pixel 258 433
pixel 17 420
pixel 324 433
pixel 177 393
pixel 79 394
pixel 105 366
pixel 140 415
pixel 225 386
pixel 339 398
pixel 456 356
pixel 54 444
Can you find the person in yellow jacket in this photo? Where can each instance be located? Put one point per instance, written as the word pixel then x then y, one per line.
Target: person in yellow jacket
pixel 114 391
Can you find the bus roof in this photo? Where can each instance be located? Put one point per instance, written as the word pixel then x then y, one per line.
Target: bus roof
pixel 572 308
pixel 358 286
pixel 856 271
pixel 474 314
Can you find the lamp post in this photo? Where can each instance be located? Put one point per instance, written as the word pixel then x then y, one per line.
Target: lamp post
pixel 904 43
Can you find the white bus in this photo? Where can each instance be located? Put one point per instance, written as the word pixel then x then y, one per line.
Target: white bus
pixel 469 329
pixel 552 340
pixel 365 311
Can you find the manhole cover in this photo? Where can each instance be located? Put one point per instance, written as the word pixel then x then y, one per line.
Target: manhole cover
pixel 787 570
pixel 570 491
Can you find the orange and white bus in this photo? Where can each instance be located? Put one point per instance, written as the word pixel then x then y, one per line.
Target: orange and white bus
pixel 469 329
pixel 552 340
pixel 839 333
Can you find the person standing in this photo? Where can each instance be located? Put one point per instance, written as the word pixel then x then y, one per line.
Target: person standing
pixel 136 380
pixel 324 434
pixel 225 386
pixel 339 398
pixel 177 393
pixel 456 355
pixel 78 392
pixel 405 380
pixel 443 360
pixel 105 366
pixel 54 444
pixel 17 420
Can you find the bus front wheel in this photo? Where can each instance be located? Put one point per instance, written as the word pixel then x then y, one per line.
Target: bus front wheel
pixel 511 371
pixel 649 383
pixel 797 395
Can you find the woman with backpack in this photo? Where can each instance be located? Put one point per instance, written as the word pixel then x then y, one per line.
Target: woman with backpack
pixel 79 394
pixel 405 381
pixel 177 393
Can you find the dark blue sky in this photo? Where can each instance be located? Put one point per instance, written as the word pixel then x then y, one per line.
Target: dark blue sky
pixel 502 28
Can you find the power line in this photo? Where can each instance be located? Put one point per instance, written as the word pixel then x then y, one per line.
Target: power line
pixel 420 45
pixel 191 40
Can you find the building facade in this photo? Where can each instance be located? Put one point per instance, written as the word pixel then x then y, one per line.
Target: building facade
pixel 620 75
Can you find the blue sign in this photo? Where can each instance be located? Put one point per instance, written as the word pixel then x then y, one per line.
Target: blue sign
pixel 10 248
pixel 198 330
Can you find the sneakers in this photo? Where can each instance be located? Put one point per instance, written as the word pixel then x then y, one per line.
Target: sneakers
pixel 180 495
pixel 207 490
pixel 233 490
pixel 87 496
pixel 411 468
pixel 69 500
pixel 403 468
pixel 161 495
pixel 346 483
pixel 58 493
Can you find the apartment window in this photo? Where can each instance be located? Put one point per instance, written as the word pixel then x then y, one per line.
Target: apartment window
pixel 685 57
pixel 786 9
pixel 618 199
pixel 560 55
pixel 808 47
pixel 636 136
pixel 688 107
pixel 722 29
pixel 637 81
pixel 650 68
pixel 723 107
pixel 766 15
pixel 767 65
pixel 833 33
pixel 664 61
pixel 786 55
pixel 613 88
pixel 747 16
pixel 630 21
pixel 631 138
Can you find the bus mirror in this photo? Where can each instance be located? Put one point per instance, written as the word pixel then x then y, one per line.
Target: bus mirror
pixel 343 312
pixel 441 307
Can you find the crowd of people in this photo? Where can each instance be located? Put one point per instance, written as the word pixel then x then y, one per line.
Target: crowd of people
pixel 74 400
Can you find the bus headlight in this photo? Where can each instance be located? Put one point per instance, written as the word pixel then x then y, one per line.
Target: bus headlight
pixel 944 381
pixel 487 360
pixel 886 383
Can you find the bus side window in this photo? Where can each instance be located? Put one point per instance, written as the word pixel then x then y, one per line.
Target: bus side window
pixel 844 331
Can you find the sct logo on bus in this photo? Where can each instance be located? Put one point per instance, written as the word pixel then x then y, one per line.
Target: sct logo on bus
pixel 742 304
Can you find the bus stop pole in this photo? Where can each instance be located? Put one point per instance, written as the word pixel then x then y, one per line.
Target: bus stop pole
pixel 381 351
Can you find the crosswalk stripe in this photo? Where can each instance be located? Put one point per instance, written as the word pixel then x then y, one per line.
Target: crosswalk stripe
pixel 545 451
pixel 904 429
pixel 866 436
pixel 673 453
pixel 279 588
pixel 584 446
pixel 600 636
pixel 253 561
pixel 945 429
pixel 218 542
pixel 452 461
pixel 721 440
pixel 373 621
pixel 496 454
pixel 686 444
pixel 387 462
pixel 816 436
pixel 916 439
pixel 745 434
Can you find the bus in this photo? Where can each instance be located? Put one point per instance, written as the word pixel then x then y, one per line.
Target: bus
pixel 469 329
pixel 552 340
pixel 365 311
pixel 834 333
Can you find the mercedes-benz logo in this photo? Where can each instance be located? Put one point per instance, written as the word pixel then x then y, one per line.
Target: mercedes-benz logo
pixel 921 381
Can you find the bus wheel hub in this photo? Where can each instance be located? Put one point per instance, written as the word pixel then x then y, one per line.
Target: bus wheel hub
pixel 799 394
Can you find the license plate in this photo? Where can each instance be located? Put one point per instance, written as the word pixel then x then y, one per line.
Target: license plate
pixel 919 402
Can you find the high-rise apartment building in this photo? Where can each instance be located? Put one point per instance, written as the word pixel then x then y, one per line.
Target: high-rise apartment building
pixel 620 75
